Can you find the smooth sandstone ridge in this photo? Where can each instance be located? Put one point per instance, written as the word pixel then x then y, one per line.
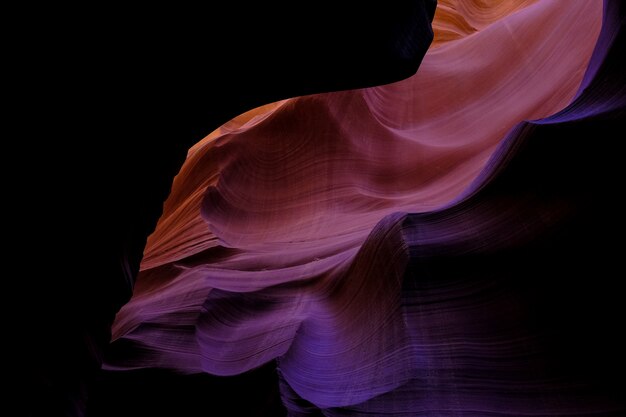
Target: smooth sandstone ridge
pixel 377 243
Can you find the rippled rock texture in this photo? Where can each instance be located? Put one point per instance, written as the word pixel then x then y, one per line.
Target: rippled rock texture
pixel 433 247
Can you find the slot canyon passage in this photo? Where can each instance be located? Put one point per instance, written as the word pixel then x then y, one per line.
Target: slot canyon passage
pixel 437 246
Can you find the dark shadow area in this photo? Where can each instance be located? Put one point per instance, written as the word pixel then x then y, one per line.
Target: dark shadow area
pixel 162 393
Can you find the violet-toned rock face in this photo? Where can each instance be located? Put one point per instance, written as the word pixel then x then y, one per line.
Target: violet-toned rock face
pixel 413 249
